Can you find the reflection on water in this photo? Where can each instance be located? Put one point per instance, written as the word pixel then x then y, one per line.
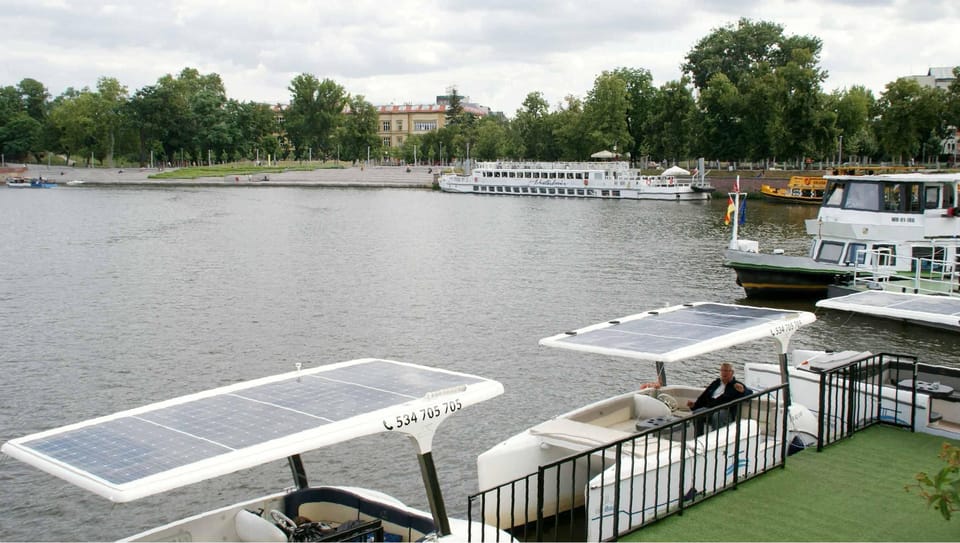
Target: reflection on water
pixel 112 298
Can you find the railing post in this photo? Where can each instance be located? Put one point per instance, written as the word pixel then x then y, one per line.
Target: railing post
pixel 540 474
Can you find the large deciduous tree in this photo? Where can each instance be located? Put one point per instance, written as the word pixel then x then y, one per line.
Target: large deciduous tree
pixel 315 111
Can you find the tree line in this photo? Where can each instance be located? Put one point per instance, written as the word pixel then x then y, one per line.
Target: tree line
pixel 748 92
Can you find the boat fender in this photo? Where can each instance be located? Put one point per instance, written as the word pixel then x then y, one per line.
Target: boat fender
pixel 648 181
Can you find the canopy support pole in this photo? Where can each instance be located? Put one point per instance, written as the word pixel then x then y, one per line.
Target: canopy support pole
pixel 661 374
pixel 299 473
pixel 434 496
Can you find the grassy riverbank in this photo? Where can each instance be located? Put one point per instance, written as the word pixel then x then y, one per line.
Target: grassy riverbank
pixel 222 170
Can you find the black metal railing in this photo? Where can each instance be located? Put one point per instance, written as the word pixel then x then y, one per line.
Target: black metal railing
pixel 852 396
pixel 610 490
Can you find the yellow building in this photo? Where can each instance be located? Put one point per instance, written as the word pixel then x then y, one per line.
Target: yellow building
pixel 398 122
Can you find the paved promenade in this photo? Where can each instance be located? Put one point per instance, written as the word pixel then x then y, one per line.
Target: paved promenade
pixel 372 177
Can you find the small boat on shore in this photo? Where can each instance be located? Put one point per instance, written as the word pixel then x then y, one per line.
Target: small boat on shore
pixel 610 180
pixel 882 223
pixel 799 190
pixel 171 444
pixel 34 183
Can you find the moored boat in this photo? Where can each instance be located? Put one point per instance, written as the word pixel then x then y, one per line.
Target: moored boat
pixel 170 444
pixel 612 180
pixel 637 456
pixel 24 183
pixel 883 223
pixel 799 190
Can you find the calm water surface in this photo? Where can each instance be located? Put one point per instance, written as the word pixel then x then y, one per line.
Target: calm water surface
pixel 113 298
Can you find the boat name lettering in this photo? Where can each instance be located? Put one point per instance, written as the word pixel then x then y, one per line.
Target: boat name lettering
pixel 423 414
pixel 548 182
pixel 789 326
pixel 902 219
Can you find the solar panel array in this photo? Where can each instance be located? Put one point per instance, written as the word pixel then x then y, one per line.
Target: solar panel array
pixel 940 305
pixel 668 331
pixel 121 450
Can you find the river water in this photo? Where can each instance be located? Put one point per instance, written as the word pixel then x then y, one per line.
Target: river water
pixel 111 298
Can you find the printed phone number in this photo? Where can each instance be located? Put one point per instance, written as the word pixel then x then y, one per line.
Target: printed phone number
pixel 423 415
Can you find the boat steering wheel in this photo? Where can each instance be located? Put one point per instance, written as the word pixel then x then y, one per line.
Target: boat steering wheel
pixel 669 401
pixel 283 521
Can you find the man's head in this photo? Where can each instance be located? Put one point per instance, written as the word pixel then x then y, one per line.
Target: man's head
pixel 726 372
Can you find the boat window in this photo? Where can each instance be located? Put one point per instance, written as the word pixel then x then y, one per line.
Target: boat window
pixel 604 193
pixel 835 196
pixel 930 259
pixel 865 196
pixel 552 191
pixel 886 254
pixel 913 197
pixel 830 251
pixel 476 188
pixel 931 199
pixel 856 254
pixel 892 197
pixel 615 192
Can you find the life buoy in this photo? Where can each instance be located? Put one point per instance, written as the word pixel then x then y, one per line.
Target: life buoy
pixel 585 182
pixel 648 181
pixel 806 181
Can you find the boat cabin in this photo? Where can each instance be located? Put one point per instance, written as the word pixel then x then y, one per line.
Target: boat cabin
pixel 896 222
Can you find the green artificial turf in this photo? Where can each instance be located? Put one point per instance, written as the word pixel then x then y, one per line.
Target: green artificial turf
pixel 851 491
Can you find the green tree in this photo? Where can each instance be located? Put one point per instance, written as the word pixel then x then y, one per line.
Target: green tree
pixel 569 129
pixel 605 114
pixel 853 109
pixel 641 96
pixel 358 131
pixel 533 126
pixel 491 138
pixel 910 115
pixel 670 125
pixel 315 112
pixel 454 108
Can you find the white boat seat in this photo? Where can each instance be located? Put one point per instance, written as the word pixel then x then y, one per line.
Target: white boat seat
pixel 578 436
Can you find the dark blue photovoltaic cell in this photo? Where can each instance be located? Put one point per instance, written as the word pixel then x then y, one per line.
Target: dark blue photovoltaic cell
pixel 125 449
pixel 129 448
pixel 669 331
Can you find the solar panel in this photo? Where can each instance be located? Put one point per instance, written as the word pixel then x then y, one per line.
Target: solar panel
pixel 679 332
pixel 942 310
pixel 162 446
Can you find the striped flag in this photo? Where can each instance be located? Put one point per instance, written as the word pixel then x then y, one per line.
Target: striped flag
pixel 730 209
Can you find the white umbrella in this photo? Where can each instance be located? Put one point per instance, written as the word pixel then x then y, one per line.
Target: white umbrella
pixel 675 170
pixel 603 154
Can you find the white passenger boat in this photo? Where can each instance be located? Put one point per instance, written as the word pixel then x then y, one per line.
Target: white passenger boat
pixel 865 384
pixel 167 445
pixel 614 180
pixel 900 229
pixel 641 481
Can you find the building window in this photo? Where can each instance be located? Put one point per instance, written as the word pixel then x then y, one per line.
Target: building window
pixel 386 126
pixel 400 125
pixel 386 142
pixel 424 126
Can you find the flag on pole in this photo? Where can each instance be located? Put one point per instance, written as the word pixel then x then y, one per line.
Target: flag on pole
pixel 732 206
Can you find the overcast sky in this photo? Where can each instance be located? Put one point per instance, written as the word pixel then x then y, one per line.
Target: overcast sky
pixel 409 51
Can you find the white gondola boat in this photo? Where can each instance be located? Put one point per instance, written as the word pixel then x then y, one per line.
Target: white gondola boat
pixel 663 336
pixel 610 180
pixel 167 445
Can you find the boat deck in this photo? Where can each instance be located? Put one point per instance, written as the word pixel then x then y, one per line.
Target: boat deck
pixel 852 491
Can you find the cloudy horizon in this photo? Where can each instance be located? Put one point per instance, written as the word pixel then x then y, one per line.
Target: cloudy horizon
pixel 410 51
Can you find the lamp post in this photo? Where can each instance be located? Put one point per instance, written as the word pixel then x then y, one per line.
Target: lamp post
pixel 840 151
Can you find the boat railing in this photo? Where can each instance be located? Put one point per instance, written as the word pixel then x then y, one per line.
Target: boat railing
pixel 858 394
pixel 646 477
pixel 520 165
pixel 875 269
